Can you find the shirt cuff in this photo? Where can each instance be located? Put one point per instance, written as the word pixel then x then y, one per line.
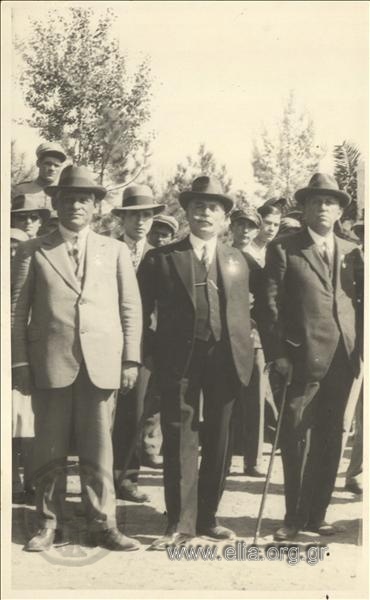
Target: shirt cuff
pixel 20 364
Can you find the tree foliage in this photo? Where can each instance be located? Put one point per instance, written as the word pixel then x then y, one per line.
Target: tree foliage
pixel 284 160
pixel 20 168
pixel 77 84
pixel 346 161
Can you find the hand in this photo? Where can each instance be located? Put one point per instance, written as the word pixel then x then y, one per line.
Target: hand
pixel 284 367
pixel 22 379
pixel 130 371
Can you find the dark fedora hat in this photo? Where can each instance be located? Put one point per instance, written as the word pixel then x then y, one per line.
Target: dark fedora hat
pixel 247 214
pixel 138 197
pixel 77 178
pixel 208 188
pixel 322 183
pixel 24 203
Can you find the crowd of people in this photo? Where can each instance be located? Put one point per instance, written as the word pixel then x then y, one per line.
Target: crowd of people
pixel 137 350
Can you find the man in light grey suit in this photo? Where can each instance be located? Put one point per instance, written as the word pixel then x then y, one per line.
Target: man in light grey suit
pixel 76 326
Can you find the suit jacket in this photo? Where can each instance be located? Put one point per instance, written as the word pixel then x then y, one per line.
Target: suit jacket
pixel 57 321
pixel 166 280
pixel 302 312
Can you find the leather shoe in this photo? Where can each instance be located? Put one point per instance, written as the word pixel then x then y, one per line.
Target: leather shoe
pixel 354 487
pixel 43 540
pixel 170 539
pixel 217 532
pixel 322 528
pixel 113 539
pixel 286 532
pixel 254 472
pixel 153 462
pixel 131 494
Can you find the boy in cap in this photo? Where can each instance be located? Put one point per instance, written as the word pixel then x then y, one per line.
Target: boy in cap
pixel 163 230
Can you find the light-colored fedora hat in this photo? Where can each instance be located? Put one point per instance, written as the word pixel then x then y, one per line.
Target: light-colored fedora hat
pixel 78 179
pixel 138 197
pixel 322 183
pixel 208 188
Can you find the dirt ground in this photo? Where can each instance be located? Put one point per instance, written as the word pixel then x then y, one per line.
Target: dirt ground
pixel 74 567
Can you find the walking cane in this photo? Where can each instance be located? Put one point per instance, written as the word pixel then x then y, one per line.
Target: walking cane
pixel 271 463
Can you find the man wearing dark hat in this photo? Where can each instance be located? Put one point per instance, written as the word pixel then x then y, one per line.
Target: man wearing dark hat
pixel 28 214
pixel 136 213
pixel 50 158
pixel 163 230
pixel 310 326
pixel 202 342
pixel 76 329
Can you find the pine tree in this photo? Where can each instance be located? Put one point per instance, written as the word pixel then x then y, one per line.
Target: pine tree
pixel 346 159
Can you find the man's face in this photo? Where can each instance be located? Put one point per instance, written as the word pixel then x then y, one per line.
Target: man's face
pixel 137 223
pixel 75 209
pixel 270 227
pixel 321 211
pixel 29 221
pixel 49 168
pixel 206 218
pixel 160 235
pixel 243 232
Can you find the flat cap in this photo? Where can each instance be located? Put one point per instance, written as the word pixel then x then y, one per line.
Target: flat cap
pixel 167 220
pixel 247 214
pixel 51 148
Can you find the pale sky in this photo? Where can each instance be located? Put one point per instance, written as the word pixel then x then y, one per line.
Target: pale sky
pixel 224 69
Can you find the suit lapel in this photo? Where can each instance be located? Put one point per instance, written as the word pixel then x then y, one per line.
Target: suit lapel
pixel 339 254
pixel 182 258
pixel 54 250
pixel 93 256
pixel 225 261
pixel 310 253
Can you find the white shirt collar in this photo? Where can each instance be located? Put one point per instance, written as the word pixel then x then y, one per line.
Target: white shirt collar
pixel 69 236
pixel 133 243
pixel 198 245
pixel 320 239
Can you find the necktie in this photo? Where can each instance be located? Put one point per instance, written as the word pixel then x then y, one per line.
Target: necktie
pixel 75 254
pixel 135 256
pixel 205 258
pixel 326 256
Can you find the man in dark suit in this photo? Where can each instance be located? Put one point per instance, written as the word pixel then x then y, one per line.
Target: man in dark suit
pixel 199 288
pixel 76 332
pixel 309 322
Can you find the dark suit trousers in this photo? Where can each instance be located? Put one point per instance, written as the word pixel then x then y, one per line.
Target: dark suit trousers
pixel 87 411
pixel 126 443
pixel 311 438
pixel 190 503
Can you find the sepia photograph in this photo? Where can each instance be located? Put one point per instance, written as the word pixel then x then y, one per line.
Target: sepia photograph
pixel 184 269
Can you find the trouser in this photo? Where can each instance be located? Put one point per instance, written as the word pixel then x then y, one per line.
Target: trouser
pixel 132 435
pixel 311 440
pixel 22 456
pixel 87 410
pixel 354 471
pixel 192 503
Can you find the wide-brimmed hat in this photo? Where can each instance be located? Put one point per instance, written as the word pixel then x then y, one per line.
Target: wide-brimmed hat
pixel 79 179
pixel 138 197
pixel 18 234
pixel 278 201
pixel 322 183
pixel 24 203
pixel 247 214
pixel 208 188
pixel 51 148
pixel 171 222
